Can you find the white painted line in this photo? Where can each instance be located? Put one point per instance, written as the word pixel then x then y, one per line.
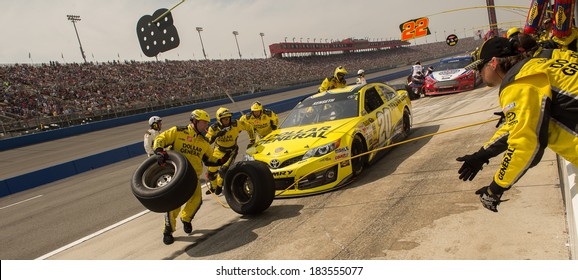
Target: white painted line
pixel 61 249
pixel 66 247
pixel 20 202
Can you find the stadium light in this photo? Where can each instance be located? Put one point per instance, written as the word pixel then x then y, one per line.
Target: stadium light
pixel 74 19
pixel 199 29
pixel 235 33
pixel 263 42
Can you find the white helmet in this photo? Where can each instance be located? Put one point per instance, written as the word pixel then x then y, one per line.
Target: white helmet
pixel 154 119
pixel 361 71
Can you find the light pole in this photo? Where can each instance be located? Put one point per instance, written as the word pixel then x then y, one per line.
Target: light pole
pixel 74 19
pixel 199 29
pixel 235 33
pixel 263 42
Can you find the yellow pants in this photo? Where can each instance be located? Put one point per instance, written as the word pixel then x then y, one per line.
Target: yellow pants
pixel 188 212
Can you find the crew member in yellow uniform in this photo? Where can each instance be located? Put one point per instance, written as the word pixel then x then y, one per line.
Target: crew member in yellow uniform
pixel 539 99
pixel 189 141
pixel 263 120
pixel 337 81
pixel 224 134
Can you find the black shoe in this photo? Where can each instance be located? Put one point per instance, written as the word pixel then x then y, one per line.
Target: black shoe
pixel 218 190
pixel 209 191
pixel 187 227
pixel 168 238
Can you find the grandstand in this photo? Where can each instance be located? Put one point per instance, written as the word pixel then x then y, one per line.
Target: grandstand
pixel 349 45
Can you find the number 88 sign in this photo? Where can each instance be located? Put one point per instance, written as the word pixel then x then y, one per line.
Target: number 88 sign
pixel 414 28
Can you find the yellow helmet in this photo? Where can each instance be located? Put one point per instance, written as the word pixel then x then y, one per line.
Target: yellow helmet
pixel 223 113
pixel 200 115
pixel 340 70
pixel 256 106
pixel 512 32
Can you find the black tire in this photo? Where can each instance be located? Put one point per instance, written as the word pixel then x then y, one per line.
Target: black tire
pixel 406 123
pixel 358 163
pixel 162 189
pixel 249 187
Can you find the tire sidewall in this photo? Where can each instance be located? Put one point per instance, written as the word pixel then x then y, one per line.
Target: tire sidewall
pixel 263 191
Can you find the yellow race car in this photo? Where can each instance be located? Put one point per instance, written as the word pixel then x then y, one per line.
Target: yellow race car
pixel 330 137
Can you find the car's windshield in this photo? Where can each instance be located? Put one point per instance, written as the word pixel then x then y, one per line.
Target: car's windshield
pixel 452 64
pixel 323 107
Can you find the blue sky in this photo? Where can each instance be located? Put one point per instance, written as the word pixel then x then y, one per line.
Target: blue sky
pixel 107 28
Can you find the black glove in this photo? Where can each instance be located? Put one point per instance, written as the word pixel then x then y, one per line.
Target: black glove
pixel 162 156
pixel 472 164
pixel 251 143
pixel 490 196
pixel 219 134
pixel 549 44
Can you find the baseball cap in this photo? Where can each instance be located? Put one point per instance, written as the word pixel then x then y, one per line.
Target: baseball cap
pixel 494 47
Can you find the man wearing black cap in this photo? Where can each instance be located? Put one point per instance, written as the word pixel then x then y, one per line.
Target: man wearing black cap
pixel 539 100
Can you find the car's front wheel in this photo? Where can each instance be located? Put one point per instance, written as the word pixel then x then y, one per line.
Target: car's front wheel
pixel 406 124
pixel 249 187
pixel 358 163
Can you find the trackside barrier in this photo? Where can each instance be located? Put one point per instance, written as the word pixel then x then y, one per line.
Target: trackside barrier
pixel 67 169
pixel 569 180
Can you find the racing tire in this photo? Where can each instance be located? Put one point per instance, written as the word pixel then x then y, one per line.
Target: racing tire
pixel 249 187
pixel 164 188
pixel 406 123
pixel 358 163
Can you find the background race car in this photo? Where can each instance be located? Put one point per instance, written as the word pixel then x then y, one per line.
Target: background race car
pixel 449 76
pixel 325 139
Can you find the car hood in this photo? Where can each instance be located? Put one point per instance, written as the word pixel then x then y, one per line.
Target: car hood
pixel 297 140
pixel 447 75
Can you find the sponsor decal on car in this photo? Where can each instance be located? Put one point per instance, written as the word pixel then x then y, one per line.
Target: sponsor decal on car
pixel 278 150
pixel 290 135
pixel 282 173
pixel 341 156
pixel 323 102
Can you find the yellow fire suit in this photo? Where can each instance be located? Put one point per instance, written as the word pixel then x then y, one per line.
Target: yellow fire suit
pixel 331 83
pixel 264 124
pixel 539 98
pixel 226 146
pixel 196 148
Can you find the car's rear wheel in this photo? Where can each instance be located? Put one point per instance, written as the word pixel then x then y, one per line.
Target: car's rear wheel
pixel 358 163
pixel 249 187
pixel 406 123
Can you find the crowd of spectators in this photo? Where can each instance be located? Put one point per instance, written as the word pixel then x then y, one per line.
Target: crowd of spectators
pixel 36 92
